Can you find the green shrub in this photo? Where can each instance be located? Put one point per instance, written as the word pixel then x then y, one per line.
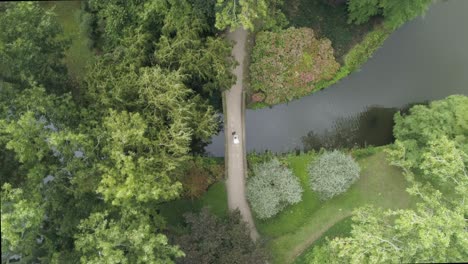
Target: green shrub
pixel 272 188
pixel 254 159
pixel 340 74
pixel 88 22
pixel 332 174
pixel 365 152
pixel 362 52
pixel 287 64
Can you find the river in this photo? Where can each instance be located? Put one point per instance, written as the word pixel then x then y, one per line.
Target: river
pixel 426 59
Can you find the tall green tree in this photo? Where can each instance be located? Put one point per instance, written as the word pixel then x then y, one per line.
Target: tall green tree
pixel 128 238
pixel 361 11
pixel 433 233
pixel 32 47
pixel 21 219
pixel 247 13
pixel 432 140
pixel 396 13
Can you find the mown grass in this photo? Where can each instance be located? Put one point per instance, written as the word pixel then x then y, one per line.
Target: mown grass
pixel 78 55
pixel 298 226
pixel 327 21
pixel 215 199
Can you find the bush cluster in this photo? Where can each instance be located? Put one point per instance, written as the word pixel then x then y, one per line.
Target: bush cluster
pixel 332 174
pixel 272 188
pixel 287 64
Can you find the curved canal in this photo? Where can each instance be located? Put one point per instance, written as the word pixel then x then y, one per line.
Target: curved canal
pixel 426 59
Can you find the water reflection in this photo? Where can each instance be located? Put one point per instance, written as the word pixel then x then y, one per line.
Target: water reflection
pixel 372 127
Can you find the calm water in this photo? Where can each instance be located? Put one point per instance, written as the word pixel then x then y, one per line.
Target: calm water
pixel 426 59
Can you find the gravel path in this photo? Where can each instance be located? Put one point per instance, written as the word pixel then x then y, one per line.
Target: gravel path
pixel 235 153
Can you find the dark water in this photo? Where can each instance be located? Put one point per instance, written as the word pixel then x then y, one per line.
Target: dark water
pixel 427 59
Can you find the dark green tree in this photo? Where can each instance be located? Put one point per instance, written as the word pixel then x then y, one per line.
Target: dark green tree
pixel 32 47
pixel 248 13
pixel 225 241
pixel 126 236
pixel 396 13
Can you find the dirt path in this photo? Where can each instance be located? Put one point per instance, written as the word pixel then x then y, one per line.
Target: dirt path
pixel 234 121
pixel 299 249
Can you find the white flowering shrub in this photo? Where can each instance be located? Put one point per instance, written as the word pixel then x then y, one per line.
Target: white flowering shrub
pixel 272 188
pixel 333 173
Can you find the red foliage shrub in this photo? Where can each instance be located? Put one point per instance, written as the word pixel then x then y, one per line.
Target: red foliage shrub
pixel 195 182
pixel 288 64
pixel 258 97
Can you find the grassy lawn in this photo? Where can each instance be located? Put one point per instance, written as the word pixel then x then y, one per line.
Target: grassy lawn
pixel 327 21
pixel 296 228
pixel 78 55
pixel 215 198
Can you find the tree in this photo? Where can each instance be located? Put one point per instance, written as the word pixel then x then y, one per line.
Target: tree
pixel 32 47
pixel 399 13
pixel 234 13
pixel 54 168
pixel 246 13
pixel 129 238
pixel 434 232
pixel 225 241
pixel 176 35
pixel 431 140
pixel 136 163
pixel 21 219
pixel 360 11
pixel 332 174
pixel 444 164
pixel 395 13
pixel 272 188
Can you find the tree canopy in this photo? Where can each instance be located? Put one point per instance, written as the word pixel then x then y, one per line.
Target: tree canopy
pixel 396 13
pixel 32 47
pixel 248 13
pixel 432 140
pixel 86 174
